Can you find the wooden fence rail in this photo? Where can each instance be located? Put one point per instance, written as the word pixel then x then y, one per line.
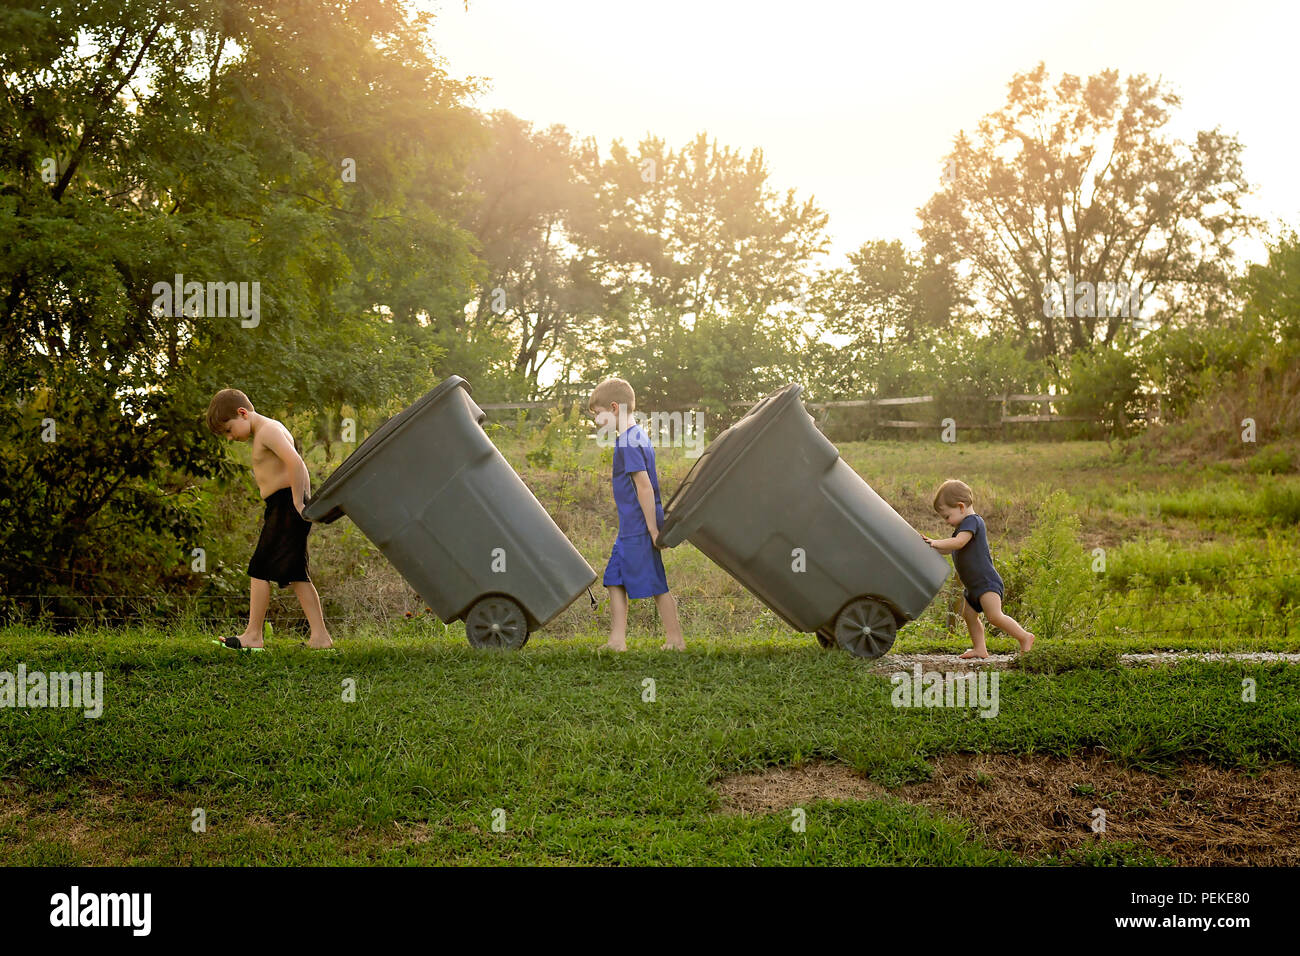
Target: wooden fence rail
pixel 825 408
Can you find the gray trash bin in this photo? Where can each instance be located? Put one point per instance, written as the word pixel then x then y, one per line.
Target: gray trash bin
pixel 430 489
pixel 772 502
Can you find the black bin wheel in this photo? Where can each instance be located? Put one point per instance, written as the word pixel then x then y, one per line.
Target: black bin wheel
pixel 865 628
pixel 497 622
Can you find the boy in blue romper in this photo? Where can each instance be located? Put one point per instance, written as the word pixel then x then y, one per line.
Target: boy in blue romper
pixel 635 568
pixel 969 545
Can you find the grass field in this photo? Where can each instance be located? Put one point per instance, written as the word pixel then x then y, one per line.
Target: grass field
pixel 757 747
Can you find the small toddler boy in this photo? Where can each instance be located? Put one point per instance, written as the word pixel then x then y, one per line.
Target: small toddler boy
pixel 969 546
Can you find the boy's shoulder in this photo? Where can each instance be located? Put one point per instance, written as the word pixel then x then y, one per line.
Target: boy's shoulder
pixel 633 437
pixel 634 452
pixel 271 426
pixel 274 424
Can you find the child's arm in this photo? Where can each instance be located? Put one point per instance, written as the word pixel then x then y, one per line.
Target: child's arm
pixel 645 496
pixel 946 545
pixel 281 442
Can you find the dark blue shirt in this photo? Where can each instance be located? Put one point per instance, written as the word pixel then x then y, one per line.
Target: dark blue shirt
pixel 975 562
pixel 632 453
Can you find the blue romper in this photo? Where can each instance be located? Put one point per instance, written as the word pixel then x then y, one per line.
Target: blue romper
pixel 635 563
pixel 975 563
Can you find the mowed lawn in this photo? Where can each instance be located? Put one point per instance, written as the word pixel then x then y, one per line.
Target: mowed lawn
pixel 562 749
pixel 406 746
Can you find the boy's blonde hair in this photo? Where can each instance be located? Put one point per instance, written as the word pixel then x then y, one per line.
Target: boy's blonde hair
pixel 953 493
pixel 612 390
pixel 224 406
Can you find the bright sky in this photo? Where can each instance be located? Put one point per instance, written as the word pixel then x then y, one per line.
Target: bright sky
pixel 856 103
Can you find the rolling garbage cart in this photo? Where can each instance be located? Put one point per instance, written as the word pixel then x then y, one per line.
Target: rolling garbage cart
pixel 772 503
pixel 430 489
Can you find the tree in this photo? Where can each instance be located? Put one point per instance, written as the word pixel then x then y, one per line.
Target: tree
pixel 1078 188
pixel 1271 291
pixel 538 292
pixel 885 298
pixel 141 140
pixel 700 262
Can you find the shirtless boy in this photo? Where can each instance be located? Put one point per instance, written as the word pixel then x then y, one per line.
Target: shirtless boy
pixel 284 483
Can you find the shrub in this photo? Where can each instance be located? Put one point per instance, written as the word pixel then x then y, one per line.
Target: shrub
pixel 1060 591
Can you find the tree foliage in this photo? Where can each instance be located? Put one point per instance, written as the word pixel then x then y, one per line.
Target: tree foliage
pixel 212 140
pixel 1082 182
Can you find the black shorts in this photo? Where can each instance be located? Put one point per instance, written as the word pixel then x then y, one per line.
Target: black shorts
pixel 976 600
pixel 281 554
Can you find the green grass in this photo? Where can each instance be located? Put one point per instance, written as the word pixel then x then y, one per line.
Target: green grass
pixel 559 738
pixel 1264 500
pixel 1197 557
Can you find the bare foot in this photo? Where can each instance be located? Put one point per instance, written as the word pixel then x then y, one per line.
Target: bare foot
pixel 678 645
pixel 611 646
pixel 972 655
pixel 251 640
pixel 1027 643
pixel 320 642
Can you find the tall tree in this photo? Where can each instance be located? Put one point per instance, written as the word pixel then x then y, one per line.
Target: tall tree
pixel 1081 182
pixel 700 260
pixel 309 154
pixel 538 292
pixel 885 297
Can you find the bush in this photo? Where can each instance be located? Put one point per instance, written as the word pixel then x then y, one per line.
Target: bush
pixel 1271 460
pixel 1102 383
pixel 1281 502
pixel 1188 363
pixel 1060 592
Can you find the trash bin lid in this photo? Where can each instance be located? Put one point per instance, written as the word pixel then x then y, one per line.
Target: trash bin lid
pixel 377 438
pixel 723 452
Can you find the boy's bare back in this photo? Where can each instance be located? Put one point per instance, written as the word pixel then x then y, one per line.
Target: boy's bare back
pixel 274 458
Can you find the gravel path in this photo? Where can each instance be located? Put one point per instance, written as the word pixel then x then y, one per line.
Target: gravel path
pixel 951 662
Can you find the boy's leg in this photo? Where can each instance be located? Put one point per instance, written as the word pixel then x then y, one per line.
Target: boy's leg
pixel 993 604
pixel 618 618
pixel 259 596
pixel 310 601
pixel 976 627
pixel 667 606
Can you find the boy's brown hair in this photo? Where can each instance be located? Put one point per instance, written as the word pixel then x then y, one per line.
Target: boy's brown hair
pixel 612 390
pixel 224 406
pixel 953 493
